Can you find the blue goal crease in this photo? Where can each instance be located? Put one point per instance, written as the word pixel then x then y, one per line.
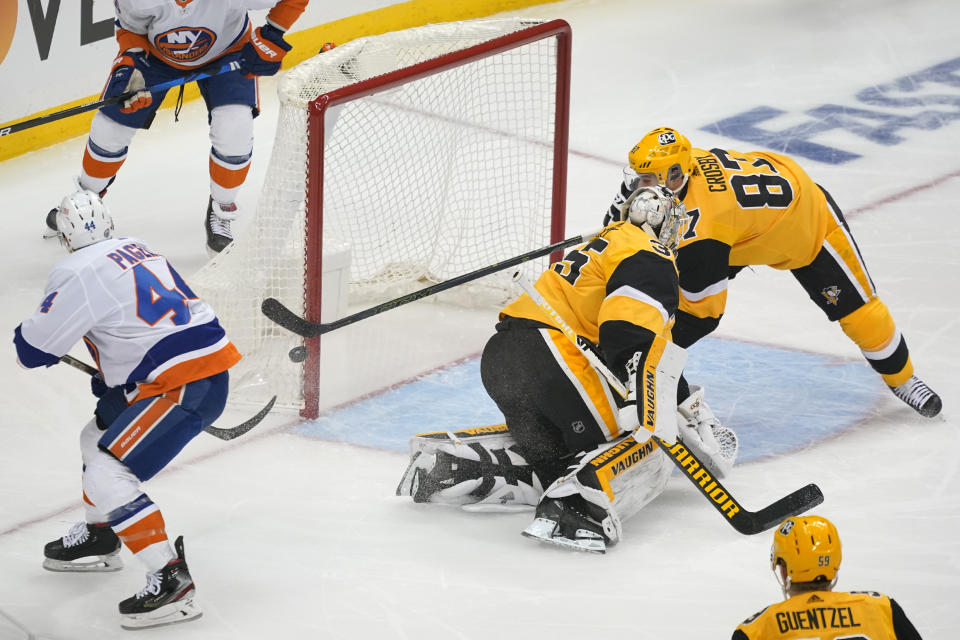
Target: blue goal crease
pixel 776 399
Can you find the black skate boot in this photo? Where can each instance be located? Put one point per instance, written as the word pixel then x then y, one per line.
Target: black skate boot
pixel 217 225
pixel 574 523
pixel 168 597
pixel 919 396
pixel 86 547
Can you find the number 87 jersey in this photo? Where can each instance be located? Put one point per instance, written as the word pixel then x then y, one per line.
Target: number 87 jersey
pixel 761 205
pixel 754 208
pixel 141 322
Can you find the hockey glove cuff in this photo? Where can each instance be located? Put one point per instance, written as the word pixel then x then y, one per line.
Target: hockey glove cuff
pixel 97 386
pixel 125 77
pixel 262 54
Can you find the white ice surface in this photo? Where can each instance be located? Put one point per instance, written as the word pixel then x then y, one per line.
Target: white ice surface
pixel 294 537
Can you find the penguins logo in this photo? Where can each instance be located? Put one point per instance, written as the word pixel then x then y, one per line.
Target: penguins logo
pixel 832 294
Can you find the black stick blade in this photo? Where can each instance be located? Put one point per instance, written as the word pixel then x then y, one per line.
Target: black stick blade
pixel 793 504
pixel 274 309
pixel 242 428
pixel 744 521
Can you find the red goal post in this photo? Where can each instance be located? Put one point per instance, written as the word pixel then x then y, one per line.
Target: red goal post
pixel 400 160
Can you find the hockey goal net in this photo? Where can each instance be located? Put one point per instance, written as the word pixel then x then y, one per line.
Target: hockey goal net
pixel 400 160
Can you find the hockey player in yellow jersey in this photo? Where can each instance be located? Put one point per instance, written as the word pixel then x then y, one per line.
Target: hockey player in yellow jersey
pixel 570 447
pixel 761 208
pixel 805 557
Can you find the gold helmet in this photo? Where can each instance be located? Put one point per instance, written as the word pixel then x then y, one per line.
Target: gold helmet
pixel 808 549
pixel 664 152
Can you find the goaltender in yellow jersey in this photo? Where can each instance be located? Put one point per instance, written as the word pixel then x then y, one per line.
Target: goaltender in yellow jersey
pixel 570 445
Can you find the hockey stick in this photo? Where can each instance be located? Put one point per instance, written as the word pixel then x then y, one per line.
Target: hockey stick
pixel 744 521
pixel 276 311
pixel 223 434
pixel 106 102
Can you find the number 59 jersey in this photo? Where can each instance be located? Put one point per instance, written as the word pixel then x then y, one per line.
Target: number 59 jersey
pixel 141 322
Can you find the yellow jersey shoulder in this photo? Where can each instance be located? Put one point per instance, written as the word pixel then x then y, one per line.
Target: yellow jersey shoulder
pixel 826 615
pixel 626 239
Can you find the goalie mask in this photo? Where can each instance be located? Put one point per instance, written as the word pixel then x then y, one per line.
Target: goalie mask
pixel 83 219
pixel 663 157
pixel 659 208
pixel 806 549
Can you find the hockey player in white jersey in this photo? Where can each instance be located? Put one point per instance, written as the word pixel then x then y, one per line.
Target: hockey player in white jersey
pixel 162 40
pixel 163 359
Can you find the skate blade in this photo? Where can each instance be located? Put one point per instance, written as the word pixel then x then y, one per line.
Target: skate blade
pixel 173 613
pixel 543 530
pixel 101 564
pixel 495 507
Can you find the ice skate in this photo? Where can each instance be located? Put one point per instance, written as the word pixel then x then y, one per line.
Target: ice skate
pixel 564 522
pixel 217 225
pixel 85 548
pixel 168 597
pixel 919 396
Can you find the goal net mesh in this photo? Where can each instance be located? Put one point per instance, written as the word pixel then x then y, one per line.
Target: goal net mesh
pixel 423 180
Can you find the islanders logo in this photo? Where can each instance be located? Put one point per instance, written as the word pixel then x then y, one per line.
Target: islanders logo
pixel 185 44
pixel 8 25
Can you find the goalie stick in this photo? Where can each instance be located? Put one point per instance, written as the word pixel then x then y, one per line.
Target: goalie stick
pixel 223 434
pixel 276 311
pixel 744 521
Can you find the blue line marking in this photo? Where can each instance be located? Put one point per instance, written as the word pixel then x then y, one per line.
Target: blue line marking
pixel 777 400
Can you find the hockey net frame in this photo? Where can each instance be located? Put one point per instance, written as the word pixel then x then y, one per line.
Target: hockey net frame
pixel 237 267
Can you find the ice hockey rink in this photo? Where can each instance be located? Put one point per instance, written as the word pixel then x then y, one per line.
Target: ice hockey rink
pixel 294 531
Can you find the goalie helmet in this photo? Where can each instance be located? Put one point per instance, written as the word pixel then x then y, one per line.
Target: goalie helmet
pixel 83 219
pixel 805 549
pixel 658 207
pixel 665 154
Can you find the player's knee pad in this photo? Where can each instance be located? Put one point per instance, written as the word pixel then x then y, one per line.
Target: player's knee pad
pixel 107 482
pixel 872 328
pixel 109 135
pixel 478 469
pixel 231 131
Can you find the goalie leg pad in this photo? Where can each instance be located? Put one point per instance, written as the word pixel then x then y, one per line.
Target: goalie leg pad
pixel 605 487
pixel 478 469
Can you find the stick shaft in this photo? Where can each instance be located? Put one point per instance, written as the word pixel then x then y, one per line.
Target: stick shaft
pixel 90 106
pixel 276 311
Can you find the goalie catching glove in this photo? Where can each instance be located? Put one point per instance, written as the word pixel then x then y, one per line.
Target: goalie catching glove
pixel 700 431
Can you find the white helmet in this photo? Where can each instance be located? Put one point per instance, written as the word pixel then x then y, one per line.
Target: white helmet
pixel 658 207
pixel 83 219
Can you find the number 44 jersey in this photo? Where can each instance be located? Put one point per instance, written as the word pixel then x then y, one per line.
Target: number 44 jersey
pixel 141 322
